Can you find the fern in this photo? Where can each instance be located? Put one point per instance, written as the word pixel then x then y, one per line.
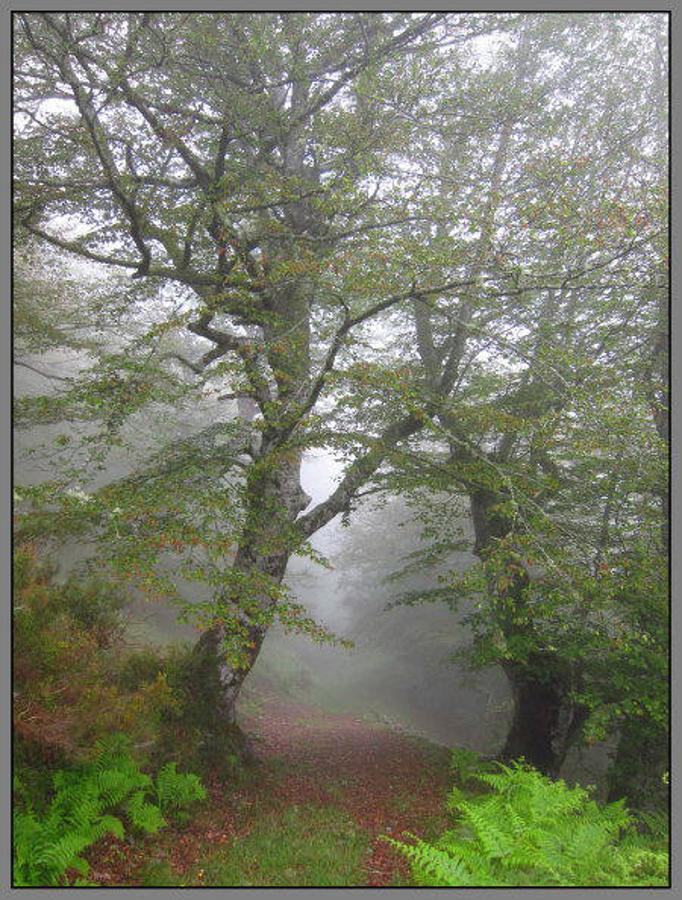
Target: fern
pixel 144 815
pixel 80 812
pixel 432 865
pixel 465 763
pixel 175 790
pixel 529 831
pixel 482 821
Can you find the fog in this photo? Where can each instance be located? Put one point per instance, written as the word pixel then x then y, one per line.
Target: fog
pixel 400 670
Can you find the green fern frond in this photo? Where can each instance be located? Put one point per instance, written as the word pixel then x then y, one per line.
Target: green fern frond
pixel 59 856
pixel 108 825
pixel 588 839
pixel 436 865
pixel 111 751
pixel 530 830
pixel 114 785
pixel 77 817
pixel 454 798
pixel 176 790
pixel 487 832
pixel 144 815
pixel 467 852
pixel 80 865
pixel 465 763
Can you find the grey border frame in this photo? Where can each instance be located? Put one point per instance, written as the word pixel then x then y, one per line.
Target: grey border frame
pixel 675 11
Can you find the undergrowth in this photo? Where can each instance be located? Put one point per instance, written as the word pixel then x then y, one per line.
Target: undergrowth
pixel 99 727
pixel 105 796
pixel 527 830
pixel 68 650
pixel 77 680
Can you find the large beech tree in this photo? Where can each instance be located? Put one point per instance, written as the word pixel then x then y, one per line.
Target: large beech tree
pixel 251 162
pixel 556 430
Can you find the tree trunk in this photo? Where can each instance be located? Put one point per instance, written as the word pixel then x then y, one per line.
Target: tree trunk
pixel 275 499
pixel 545 721
pixel 214 689
pixel 217 683
pixel 488 527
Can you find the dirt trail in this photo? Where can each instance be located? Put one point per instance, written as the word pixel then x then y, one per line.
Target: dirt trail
pixel 388 782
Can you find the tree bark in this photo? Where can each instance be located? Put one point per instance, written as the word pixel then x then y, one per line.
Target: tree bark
pixel 214 687
pixel 275 499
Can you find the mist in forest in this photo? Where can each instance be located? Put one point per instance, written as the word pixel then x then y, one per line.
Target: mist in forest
pixel 341 449
pixel 399 670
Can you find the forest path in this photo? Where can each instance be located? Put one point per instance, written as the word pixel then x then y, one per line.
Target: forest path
pixel 387 782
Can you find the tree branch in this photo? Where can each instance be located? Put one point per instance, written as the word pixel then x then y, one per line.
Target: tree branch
pixel 25 365
pixel 165 135
pixel 357 475
pixel 184 276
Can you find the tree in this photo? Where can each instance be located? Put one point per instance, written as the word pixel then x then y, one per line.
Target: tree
pixel 520 433
pixel 249 163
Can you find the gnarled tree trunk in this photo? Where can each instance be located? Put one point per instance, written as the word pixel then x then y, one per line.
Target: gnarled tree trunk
pixel 275 499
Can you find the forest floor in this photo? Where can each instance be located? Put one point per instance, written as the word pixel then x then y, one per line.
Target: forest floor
pixel 312 811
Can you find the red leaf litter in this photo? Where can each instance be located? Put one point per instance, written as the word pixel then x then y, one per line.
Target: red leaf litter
pixel 386 781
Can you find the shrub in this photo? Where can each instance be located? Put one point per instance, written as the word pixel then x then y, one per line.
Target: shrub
pixel 178 726
pixel 183 724
pixel 76 681
pixel 528 830
pixel 67 640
